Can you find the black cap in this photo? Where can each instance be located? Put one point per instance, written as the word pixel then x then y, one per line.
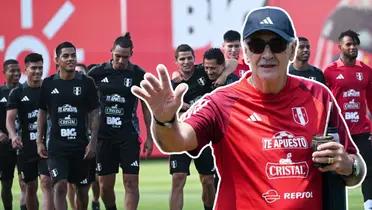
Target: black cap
pixel 271 19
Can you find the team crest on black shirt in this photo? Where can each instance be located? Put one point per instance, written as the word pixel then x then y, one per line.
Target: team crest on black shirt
pixel 76 90
pixel 127 82
pixel 201 81
pixel 359 76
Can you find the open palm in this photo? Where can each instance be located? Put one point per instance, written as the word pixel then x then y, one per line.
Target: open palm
pixel 159 95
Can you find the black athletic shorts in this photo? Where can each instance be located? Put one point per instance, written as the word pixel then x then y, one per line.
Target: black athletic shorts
pixel 181 163
pixel 7 165
pixel 72 168
pixel 92 170
pixel 125 154
pixel 43 167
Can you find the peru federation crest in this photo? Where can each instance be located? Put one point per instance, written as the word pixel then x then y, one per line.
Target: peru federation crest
pixel 300 115
pixel 359 76
pixel 127 82
pixel 201 81
pixel 76 91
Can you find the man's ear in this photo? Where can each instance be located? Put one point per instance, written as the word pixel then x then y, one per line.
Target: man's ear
pixel 245 54
pixel 292 46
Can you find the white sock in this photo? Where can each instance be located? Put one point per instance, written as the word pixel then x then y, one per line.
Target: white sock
pixel 368 205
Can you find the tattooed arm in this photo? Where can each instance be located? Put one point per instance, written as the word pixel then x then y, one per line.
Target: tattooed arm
pixel 93 119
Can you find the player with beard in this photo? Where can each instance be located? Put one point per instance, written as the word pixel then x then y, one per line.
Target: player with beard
pixel 118 136
pixel 8 157
pixel 351 83
pixel 69 99
pixel 23 103
pixel 301 66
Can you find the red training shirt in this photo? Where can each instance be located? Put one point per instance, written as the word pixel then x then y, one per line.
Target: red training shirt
pixel 262 143
pixel 352 88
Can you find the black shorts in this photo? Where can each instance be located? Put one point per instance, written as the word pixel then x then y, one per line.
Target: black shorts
pixel 92 171
pixel 7 165
pixel 181 163
pixel 112 155
pixel 43 167
pixel 31 169
pixel 72 168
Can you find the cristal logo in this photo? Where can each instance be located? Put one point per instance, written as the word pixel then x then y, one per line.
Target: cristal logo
pixel 29 42
pixel 286 168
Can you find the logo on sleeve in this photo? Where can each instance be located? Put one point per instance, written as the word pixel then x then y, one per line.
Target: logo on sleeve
pixel 254 117
pixel 25 98
pixel 3 100
pixel 286 169
pixel 105 80
pixel 54 91
pixel 76 91
pixel 340 76
pixel 300 115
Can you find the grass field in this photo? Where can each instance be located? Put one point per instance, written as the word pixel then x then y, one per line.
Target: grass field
pixel 155 187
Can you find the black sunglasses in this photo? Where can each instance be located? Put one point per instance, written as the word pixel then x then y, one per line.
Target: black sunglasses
pixel 257 46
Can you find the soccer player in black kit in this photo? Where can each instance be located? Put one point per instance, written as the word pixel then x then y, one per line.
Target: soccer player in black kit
pixel 118 136
pixel 199 84
pixel 69 99
pixel 8 157
pixel 301 67
pixel 23 102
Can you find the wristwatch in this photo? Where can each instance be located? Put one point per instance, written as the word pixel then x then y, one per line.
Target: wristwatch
pixel 356 168
pixel 167 124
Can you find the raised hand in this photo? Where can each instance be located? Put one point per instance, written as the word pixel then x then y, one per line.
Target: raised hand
pixel 158 94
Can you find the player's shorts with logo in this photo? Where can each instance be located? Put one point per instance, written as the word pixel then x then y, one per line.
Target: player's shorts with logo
pixel 181 163
pixel 125 154
pixel 30 169
pixel 73 167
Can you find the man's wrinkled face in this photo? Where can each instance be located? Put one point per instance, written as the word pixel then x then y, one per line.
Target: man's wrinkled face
pixel 268 55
